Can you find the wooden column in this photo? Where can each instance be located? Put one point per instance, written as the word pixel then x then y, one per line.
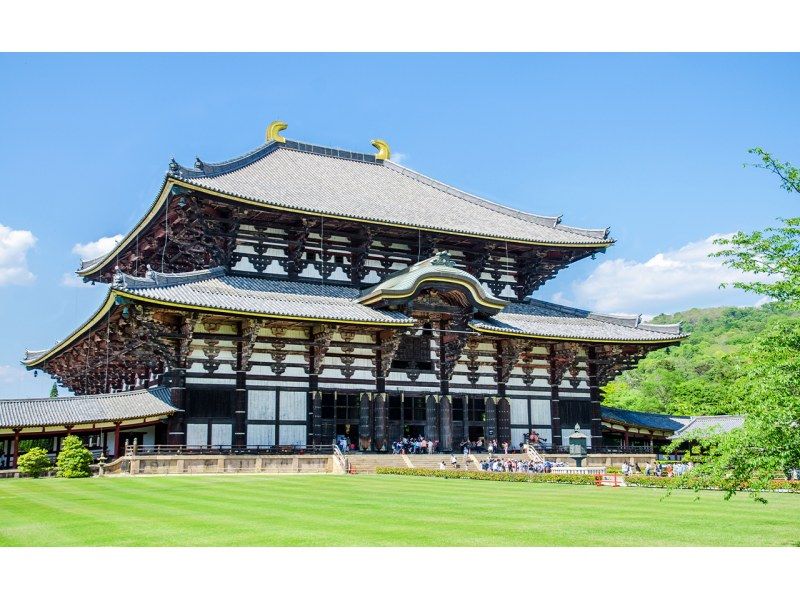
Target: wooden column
pixel 316 409
pixel 365 422
pixel 594 398
pixel 380 407
pixel 446 423
pixel 431 418
pixel 116 440
pixel 491 419
pixel 240 394
pixel 625 442
pixel 555 383
pixel 176 425
pixel 16 447
pixel 504 421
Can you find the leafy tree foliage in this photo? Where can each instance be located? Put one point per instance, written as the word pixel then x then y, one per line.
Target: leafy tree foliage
pixel 74 459
pixel 774 252
pixel 29 443
pixel 54 391
pixel 35 462
pixel 699 376
pixel 768 444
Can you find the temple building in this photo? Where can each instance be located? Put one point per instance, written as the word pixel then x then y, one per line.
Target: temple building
pixel 298 293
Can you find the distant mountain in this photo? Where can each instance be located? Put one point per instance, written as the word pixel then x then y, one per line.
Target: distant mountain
pixel 697 377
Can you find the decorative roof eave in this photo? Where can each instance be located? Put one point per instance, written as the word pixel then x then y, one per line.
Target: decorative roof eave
pixel 114 295
pixel 489 329
pixel 40 357
pixel 436 269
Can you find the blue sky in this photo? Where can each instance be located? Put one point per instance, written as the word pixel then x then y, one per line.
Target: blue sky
pixel 650 145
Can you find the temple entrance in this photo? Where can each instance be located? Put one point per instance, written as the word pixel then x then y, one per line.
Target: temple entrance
pixel 348 433
pixel 413 431
pixel 476 433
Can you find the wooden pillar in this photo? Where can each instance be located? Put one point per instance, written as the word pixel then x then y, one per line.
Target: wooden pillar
pixel 594 398
pixel 490 431
pixel 555 415
pixel 365 422
pixel 104 441
pixel 116 440
pixel 431 418
pixel 316 410
pixel 446 422
pixel 381 414
pixel 625 442
pixel 504 421
pixel 240 394
pixel 176 425
pixel 16 447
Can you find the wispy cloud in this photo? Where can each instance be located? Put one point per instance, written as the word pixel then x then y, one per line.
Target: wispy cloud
pixel 14 247
pixel 399 157
pixel 97 248
pixel 87 251
pixel 668 281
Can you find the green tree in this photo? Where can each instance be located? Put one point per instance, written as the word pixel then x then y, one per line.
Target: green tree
pixel 54 391
pixel 774 252
pixel 768 444
pixel 74 459
pixel 35 462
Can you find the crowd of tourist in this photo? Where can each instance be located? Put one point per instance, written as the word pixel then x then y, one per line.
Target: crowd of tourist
pixel 662 470
pixel 414 446
pixel 519 465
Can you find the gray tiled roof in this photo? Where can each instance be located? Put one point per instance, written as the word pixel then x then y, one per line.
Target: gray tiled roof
pixel 327 181
pixel 135 404
pixel 656 421
pixel 707 425
pixel 540 318
pixel 211 289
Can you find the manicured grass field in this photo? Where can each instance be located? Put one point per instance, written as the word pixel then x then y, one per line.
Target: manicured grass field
pixel 378 511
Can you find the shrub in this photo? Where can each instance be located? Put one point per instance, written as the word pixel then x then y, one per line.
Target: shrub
pixel 500 476
pixel 35 462
pixel 693 483
pixel 614 469
pixel 74 459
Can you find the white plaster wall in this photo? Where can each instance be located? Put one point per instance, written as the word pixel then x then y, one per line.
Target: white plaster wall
pixel 263 434
pixel 260 404
pixel 293 405
pixel 293 434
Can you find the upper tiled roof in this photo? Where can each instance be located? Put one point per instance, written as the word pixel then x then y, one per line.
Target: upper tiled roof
pixel 656 421
pixel 348 184
pixel 543 319
pixel 214 290
pixel 706 425
pixel 113 407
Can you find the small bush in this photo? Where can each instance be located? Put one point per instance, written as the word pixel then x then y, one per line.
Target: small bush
pixel 500 476
pixel 74 459
pixel 35 462
pixel 692 483
pixel 614 469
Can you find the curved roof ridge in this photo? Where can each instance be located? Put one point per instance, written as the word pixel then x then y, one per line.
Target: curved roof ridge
pixel 164 279
pixel 208 169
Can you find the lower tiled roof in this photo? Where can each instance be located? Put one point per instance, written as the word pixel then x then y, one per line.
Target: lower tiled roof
pixel 707 425
pixel 113 407
pixel 542 319
pixel 655 421
pixel 258 296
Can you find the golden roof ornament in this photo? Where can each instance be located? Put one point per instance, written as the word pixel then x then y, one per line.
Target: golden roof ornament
pixel 383 149
pixel 274 131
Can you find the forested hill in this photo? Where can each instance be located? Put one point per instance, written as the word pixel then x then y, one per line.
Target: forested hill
pixel 698 377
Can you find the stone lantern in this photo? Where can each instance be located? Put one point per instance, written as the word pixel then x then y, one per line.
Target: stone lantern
pixel 577 446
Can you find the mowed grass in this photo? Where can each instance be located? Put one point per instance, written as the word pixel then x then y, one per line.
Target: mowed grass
pixel 318 510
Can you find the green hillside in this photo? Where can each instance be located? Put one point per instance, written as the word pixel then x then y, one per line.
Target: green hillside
pixel 698 377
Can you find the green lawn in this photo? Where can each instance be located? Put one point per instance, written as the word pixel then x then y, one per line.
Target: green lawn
pixel 378 511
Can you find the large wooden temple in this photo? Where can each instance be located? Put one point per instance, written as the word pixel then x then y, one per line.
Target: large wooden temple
pixel 300 292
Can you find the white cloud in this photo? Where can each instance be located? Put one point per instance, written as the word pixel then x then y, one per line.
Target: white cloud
pixel 11 373
pixel 14 246
pixel 97 248
pixel 667 282
pixel 399 157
